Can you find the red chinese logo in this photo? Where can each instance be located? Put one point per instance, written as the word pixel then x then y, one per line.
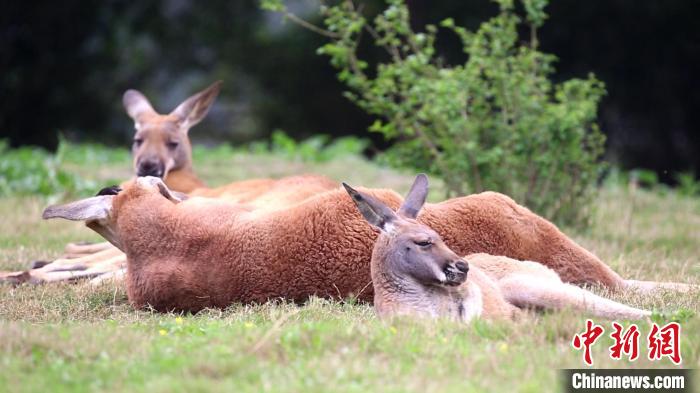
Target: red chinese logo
pixel 665 341
pixel 586 339
pixel 627 343
pixel 662 341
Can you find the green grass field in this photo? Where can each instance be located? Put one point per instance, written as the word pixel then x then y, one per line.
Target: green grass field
pixel 73 337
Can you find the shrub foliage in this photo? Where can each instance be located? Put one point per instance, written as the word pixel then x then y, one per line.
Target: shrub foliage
pixel 496 122
pixel 34 171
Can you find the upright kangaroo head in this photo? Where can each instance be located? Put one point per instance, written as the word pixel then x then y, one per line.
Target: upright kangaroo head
pixel 407 250
pixel 161 143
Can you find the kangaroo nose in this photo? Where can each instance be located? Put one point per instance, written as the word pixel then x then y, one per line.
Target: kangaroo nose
pixel 462 266
pixel 150 168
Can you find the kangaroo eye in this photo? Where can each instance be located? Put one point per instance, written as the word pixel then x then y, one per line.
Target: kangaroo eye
pixel 173 145
pixel 138 142
pixel 425 243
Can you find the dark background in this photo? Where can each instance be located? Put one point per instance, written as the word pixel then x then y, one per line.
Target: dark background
pixel 64 66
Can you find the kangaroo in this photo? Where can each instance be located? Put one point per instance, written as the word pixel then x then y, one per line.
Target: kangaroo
pixel 415 273
pixel 162 148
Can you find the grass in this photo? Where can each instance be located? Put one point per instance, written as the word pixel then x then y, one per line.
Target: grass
pixel 68 337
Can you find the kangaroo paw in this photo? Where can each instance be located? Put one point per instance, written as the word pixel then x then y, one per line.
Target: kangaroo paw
pixel 38 264
pixel 15 278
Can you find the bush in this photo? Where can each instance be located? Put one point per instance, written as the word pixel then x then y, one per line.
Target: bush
pixel 318 148
pixel 32 171
pixel 687 185
pixel 496 122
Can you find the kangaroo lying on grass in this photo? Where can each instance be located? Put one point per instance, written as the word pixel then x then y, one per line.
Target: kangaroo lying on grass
pixel 415 273
pixel 162 149
pixel 202 252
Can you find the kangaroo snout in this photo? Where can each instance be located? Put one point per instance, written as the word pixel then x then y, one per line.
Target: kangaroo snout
pixel 150 167
pixel 456 272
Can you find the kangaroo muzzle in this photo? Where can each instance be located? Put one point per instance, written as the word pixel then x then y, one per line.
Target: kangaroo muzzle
pixel 456 272
pixel 155 168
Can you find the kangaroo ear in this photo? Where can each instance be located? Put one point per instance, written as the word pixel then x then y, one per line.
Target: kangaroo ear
pixel 136 104
pixel 193 109
pixel 94 211
pixel 415 198
pixel 172 196
pixel 374 211
pixel 91 209
pixel 151 181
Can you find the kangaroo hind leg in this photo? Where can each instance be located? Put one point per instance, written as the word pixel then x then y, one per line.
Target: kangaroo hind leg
pixel 526 290
pixel 652 286
pixel 86 248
